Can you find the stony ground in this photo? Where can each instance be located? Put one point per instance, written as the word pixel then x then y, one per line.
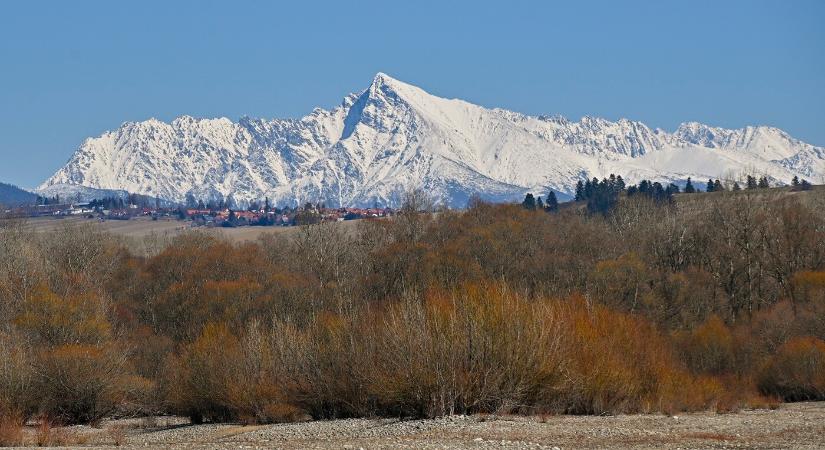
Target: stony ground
pixel 798 426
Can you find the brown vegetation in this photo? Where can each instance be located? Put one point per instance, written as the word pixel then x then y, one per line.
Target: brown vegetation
pixel 11 430
pixel 713 303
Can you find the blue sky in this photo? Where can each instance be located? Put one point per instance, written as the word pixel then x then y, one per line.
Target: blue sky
pixel 69 70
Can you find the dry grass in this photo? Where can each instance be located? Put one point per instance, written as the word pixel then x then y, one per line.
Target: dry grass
pixel 11 430
pixel 49 435
pixel 43 435
pixel 117 434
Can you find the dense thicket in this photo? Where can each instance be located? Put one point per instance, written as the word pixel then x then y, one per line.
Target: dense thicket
pixel 709 301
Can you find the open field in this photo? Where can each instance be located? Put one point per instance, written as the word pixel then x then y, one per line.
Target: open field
pixel 139 228
pixel 142 227
pixel 795 425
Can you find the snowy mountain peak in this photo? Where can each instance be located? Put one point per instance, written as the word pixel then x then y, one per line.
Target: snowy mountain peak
pixel 393 136
pixel 382 79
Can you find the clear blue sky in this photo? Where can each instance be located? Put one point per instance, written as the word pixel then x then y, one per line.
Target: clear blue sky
pixel 69 70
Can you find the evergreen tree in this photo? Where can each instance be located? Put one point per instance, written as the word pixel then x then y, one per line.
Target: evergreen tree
pixel 604 197
pixel 644 187
pixel 689 189
pixel 763 183
pixel 579 191
pixel 710 187
pixel 736 186
pixel 795 182
pixel 654 191
pixel 717 186
pixel 620 184
pixel 751 182
pixel 805 185
pixel 529 202
pixel 539 203
pixel 657 192
pixel 552 203
pixel 588 189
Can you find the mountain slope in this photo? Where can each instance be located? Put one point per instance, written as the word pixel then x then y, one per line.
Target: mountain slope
pixel 394 136
pixel 11 195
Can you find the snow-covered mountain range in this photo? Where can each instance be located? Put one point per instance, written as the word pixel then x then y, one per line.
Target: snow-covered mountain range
pixel 394 136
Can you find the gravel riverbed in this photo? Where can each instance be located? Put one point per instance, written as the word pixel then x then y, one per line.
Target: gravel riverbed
pixel 798 426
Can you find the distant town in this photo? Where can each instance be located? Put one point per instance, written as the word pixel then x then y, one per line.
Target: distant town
pixel 199 215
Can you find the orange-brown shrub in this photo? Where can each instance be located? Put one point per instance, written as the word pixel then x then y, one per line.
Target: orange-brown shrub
pixel 620 283
pixel 420 314
pixel 797 371
pixel 605 378
pixel 709 348
pixel 44 436
pixel 77 367
pixel 476 349
pixel 219 377
pixel 11 429
pixel 810 285
pixel 322 367
pixel 199 379
pixel 741 392
pixel 50 319
pixel 52 434
pixel 771 328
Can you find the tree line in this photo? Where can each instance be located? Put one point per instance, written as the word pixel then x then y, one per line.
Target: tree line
pixel 602 196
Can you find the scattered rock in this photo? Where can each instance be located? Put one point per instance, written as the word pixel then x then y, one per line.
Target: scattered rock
pixel 756 428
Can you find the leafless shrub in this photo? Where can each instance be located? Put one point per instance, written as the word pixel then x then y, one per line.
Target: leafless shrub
pixel 17 377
